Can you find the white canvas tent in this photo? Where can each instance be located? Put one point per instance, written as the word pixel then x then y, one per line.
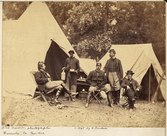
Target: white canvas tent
pixel 139 58
pixel 25 42
pixel 87 64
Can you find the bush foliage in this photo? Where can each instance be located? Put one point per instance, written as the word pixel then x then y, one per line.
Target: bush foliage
pixel 92 27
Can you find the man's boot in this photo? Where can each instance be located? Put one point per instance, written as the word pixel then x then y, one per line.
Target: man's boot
pixel 114 97
pixel 117 97
pixel 133 103
pixel 88 100
pixel 52 99
pixel 57 96
pixel 109 98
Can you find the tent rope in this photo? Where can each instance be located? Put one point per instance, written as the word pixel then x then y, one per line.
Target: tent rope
pixel 136 60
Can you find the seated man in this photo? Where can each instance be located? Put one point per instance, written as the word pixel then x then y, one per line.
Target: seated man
pixel 43 78
pixel 97 81
pixel 131 86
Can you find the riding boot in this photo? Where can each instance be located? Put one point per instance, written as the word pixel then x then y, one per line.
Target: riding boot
pixel 109 98
pixel 57 96
pixel 117 97
pixel 88 99
pixel 114 97
pixel 133 103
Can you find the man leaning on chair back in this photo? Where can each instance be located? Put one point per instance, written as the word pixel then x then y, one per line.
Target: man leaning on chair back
pixel 43 78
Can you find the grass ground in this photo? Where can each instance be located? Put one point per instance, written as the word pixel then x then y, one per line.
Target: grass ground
pixel 24 111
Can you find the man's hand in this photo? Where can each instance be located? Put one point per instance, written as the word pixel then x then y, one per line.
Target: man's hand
pixel 63 68
pixel 128 87
pixel 76 71
pixel 49 79
pixel 97 88
pixel 137 89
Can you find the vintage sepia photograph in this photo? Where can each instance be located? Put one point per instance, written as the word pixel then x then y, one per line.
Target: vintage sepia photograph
pixel 84 64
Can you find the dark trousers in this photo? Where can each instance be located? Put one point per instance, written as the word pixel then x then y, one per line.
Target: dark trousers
pixel 131 97
pixel 116 96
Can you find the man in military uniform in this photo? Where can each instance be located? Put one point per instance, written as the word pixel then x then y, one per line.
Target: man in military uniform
pixel 71 68
pixel 43 78
pixel 114 72
pixel 97 81
pixel 131 86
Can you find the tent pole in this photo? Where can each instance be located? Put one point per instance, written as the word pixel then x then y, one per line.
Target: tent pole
pixel 149 87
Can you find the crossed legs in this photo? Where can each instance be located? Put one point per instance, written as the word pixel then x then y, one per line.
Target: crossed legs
pixel 58 85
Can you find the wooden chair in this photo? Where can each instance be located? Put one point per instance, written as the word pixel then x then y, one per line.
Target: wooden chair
pixel 41 91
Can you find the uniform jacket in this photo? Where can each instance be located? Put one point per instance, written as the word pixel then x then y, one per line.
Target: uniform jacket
pixel 41 77
pixel 97 78
pixel 72 63
pixel 114 65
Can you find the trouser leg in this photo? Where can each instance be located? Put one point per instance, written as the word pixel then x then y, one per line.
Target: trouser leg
pixel 88 97
pixel 73 83
pixel 114 96
pixel 131 98
pixel 68 85
pixel 131 104
pixel 91 90
pixel 73 89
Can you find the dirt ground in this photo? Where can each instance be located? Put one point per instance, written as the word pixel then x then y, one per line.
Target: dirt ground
pixel 19 110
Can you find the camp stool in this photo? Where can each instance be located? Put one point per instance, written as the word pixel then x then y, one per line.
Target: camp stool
pixel 95 96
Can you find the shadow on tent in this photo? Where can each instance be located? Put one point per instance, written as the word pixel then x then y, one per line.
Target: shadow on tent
pixel 149 85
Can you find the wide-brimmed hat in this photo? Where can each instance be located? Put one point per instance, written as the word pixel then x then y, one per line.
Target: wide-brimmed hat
pixel 71 51
pixel 130 72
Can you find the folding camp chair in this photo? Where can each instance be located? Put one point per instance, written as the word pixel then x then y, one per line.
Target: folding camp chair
pixel 41 91
pixel 96 95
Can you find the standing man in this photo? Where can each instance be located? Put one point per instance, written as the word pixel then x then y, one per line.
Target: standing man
pixel 114 72
pixel 71 68
pixel 131 86
pixel 97 80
